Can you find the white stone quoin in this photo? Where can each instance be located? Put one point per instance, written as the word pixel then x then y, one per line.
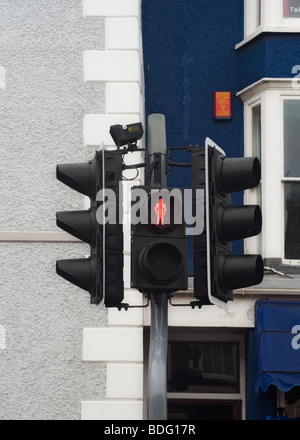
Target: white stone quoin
pixel 119 66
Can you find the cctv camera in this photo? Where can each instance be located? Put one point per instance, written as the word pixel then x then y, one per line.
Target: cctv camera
pixel 126 134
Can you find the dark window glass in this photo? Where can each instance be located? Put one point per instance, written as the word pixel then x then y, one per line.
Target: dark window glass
pixel 203 367
pixel 292 172
pixel 292 138
pixel 292 220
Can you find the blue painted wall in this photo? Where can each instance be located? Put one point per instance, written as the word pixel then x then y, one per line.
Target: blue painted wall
pixel 269 55
pixel 189 52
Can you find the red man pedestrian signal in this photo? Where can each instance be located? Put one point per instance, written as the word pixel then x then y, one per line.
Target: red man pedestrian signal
pixel 160 211
pixel 159 247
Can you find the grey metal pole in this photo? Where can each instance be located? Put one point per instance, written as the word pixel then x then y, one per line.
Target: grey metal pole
pixel 157 373
pixel 157 141
pixel 157 369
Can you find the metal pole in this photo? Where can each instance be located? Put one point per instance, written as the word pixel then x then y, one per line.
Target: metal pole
pixel 157 369
pixel 157 374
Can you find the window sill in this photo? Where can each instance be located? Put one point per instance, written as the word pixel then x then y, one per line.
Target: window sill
pixel 266 29
pixel 286 266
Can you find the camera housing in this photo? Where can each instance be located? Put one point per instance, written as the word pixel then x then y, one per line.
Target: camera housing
pixel 126 134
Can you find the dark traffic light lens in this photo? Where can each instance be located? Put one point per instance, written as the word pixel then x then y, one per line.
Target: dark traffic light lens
pixel 161 262
pixel 81 272
pixel 238 222
pixel 237 173
pixel 237 271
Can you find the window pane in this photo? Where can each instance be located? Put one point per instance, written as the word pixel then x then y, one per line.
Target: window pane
pixel 291 138
pixel 256 131
pixel 291 8
pixel 203 367
pixel 256 152
pixel 187 410
pixel 292 220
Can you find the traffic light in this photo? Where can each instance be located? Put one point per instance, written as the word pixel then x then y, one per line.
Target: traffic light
pixel 101 274
pixel 158 240
pixel 217 271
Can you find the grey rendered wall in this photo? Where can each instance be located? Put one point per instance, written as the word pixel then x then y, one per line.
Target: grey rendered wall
pixel 42 103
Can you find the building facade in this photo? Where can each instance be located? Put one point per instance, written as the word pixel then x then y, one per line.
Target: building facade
pixel 250 49
pixel 69 70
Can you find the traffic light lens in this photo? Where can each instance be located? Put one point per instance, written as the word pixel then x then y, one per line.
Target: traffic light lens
pixel 237 271
pixel 161 262
pixel 79 176
pixel 81 224
pixel 238 222
pixel 237 173
pixel 81 272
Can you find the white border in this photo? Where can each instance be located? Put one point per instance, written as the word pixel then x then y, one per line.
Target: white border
pixel 212 299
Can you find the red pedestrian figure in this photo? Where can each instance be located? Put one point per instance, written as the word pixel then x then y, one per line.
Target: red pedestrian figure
pixel 160 211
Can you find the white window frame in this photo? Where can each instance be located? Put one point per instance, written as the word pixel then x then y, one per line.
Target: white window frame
pixel 270 94
pixel 251 245
pixel 251 14
pixel 272 19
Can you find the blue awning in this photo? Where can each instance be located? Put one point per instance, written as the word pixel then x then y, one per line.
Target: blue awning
pixel 277 326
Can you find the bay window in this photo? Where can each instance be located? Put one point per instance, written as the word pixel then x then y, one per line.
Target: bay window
pixel 272 132
pixel 270 16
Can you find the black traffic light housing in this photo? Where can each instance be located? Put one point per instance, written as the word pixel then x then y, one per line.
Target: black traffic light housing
pixel 159 247
pixel 85 273
pixel 217 271
pixel 101 274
